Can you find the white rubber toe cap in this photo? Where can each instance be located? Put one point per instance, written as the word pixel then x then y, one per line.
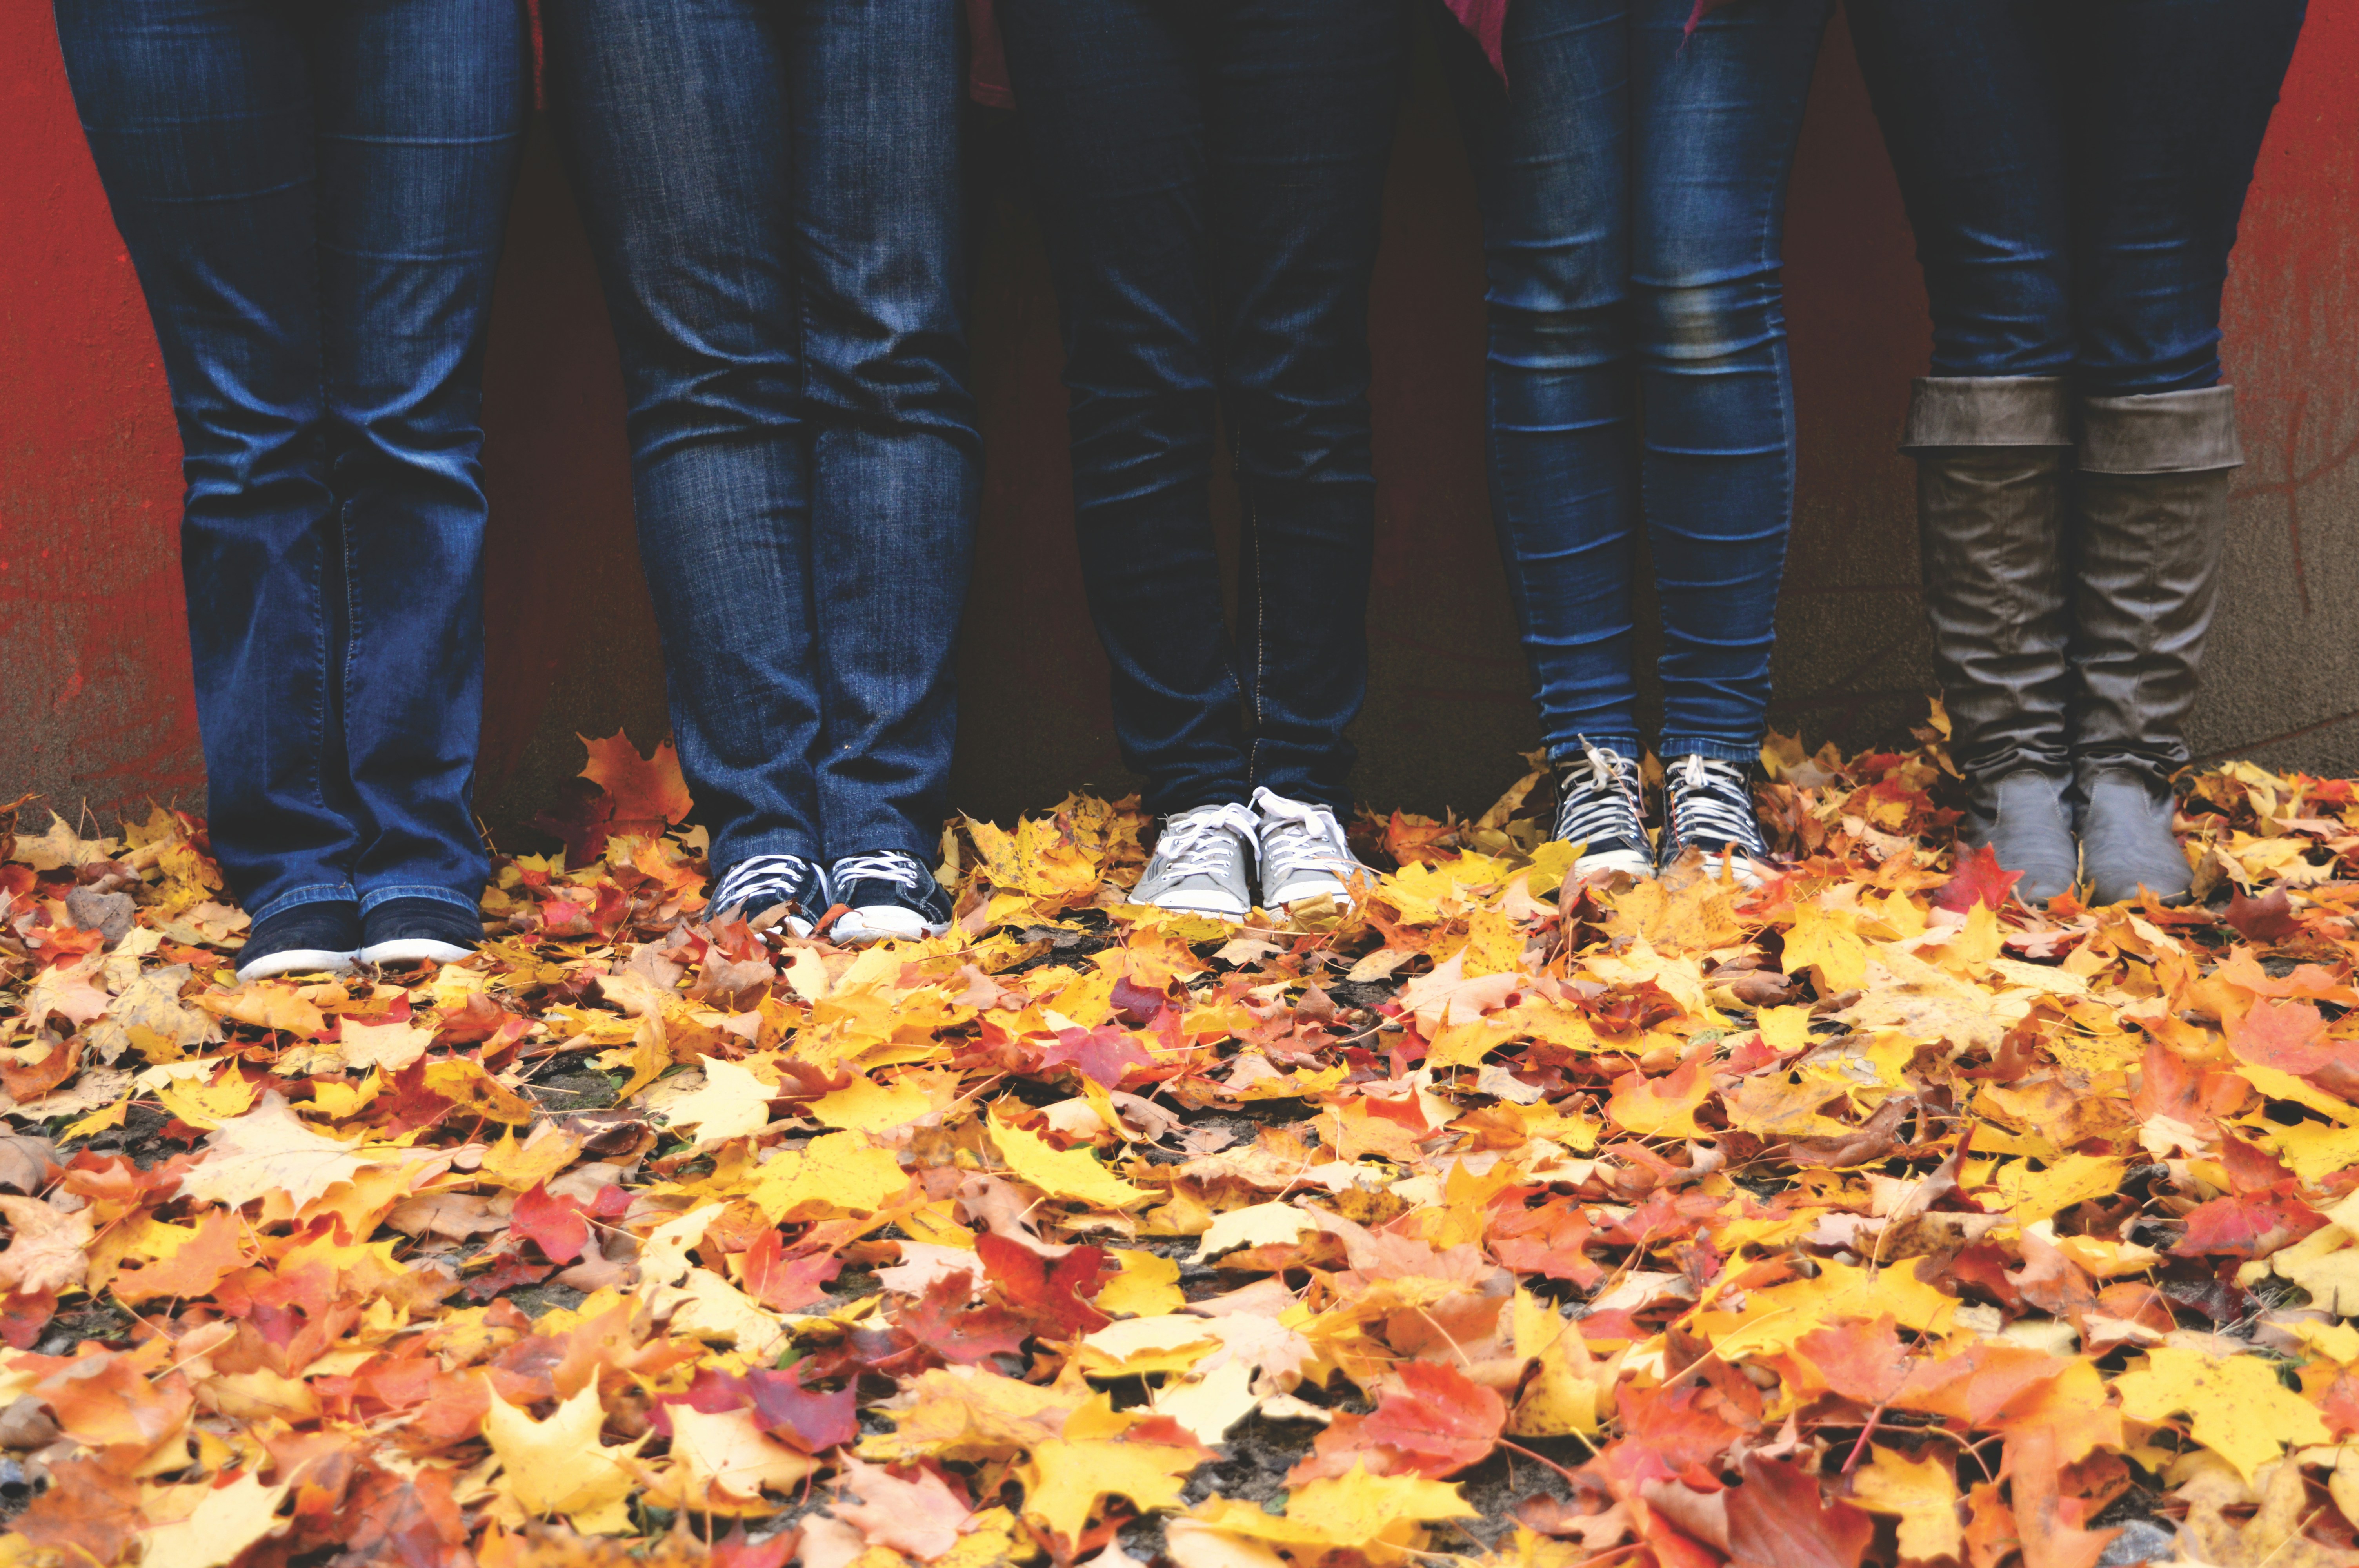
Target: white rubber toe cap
pixel 413 950
pixel 298 962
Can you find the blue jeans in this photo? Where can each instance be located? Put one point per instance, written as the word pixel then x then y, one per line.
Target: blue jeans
pixel 313 196
pixel 2074 171
pixel 1633 185
pixel 1210 174
pixel 772 194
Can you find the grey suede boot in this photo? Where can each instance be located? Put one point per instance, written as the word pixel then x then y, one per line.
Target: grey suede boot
pixel 1990 503
pixel 2152 493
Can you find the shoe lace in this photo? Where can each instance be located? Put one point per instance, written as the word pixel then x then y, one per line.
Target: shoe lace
pixel 893 866
pixel 1598 799
pixel 1203 842
pixel 1298 834
pixel 1711 805
pixel 771 879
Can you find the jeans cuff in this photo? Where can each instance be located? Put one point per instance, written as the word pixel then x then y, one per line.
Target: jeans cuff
pixel 318 892
pixel 376 896
pixel 1573 750
pixel 1711 750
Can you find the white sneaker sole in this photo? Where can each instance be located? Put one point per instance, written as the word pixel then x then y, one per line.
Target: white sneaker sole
pixel 1614 862
pixel 298 962
pixel 413 950
pixel 1183 903
pixel 883 923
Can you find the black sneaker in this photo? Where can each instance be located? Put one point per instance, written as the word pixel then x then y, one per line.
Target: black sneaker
pixel 1600 805
pixel 310 938
pixel 1708 805
pixel 419 931
pixel 782 891
pixel 887 895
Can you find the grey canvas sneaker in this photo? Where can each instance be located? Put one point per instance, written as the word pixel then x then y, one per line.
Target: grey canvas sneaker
pixel 1202 863
pixel 1303 851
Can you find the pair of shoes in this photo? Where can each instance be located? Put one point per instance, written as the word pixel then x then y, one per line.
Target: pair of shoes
pixel 334 937
pixel 2071 671
pixel 1707 806
pixel 1207 861
pixel 885 894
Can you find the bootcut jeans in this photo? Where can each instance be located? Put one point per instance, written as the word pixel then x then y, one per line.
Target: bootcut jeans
pixel 1632 175
pixel 2074 171
pixel 1209 174
pixel 772 194
pixel 313 196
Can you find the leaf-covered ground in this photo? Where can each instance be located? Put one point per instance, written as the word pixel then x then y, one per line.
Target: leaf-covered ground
pixel 1866 1218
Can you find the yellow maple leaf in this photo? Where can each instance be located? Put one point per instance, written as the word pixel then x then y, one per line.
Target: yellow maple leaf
pixel 731 1103
pixel 1148 1286
pixel 1923 1492
pixel 1563 1394
pixel 1356 1511
pixel 1063 1480
pixel 269 1150
pixel 1072 1174
pixel 2236 1407
pixel 559 1466
pixel 224 1522
pixel 1826 941
pixel 833 1175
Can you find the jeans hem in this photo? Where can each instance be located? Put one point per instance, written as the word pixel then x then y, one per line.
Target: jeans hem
pixel 375 896
pixel 318 892
pixel 1711 751
pixel 1573 750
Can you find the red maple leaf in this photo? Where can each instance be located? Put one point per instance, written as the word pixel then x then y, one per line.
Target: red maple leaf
pixel 1980 878
pixel 1435 1423
pixel 941 1322
pixel 785 1284
pixel 1054 1294
pixel 508 1271
pixel 553 1224
pixel 2251 1225
pixel 1106 1053
pixel 2267 919
pixel 647 792
pixel 1780 1518
pixel 807 1419
pixel 583 818
pixel 1864 1363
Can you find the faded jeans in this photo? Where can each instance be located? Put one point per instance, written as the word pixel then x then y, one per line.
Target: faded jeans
pixel 772 194
pixel 313 195
pixel 1633 184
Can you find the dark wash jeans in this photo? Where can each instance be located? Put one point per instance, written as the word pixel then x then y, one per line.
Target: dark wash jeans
pixel 772 194
pixel 313 194
pixel 1633 184
pixel 2074 171
pixel 1210 174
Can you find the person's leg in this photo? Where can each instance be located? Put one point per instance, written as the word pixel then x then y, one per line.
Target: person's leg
pixel 875 91
pixel 1551 168
pixel 421 112
pixel 1970 98
pixel 1715 115
pixel 1111 96
pixel 675 119
pixel 2157 195
pixel 200 117
pixel 1301 104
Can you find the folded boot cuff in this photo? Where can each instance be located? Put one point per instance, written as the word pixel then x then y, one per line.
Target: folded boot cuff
pixel 1988 411
pixel 2161 432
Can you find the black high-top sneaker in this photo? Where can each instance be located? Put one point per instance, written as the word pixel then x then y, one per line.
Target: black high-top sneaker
pixel 889 893
pixel 785 892
pixel 1708 805
pixel 1600 805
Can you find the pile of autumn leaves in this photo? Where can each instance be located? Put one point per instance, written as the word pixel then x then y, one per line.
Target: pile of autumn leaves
pixel 1869 1216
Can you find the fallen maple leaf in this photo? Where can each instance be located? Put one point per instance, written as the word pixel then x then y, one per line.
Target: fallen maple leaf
pixel 1434 1423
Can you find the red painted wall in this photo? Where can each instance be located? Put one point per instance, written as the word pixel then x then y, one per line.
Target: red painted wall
pixel 93 674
